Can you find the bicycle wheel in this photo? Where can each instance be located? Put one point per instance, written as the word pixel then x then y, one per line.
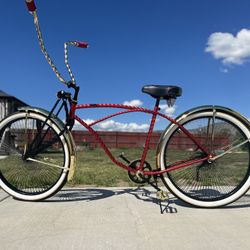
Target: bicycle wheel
pixel 34 156
pixel 215 183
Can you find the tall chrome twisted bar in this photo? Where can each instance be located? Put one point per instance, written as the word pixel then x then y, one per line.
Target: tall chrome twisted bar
pixel 66 60
pixel 42 46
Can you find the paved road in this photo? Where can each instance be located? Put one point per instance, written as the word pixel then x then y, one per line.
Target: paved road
pixel 120 218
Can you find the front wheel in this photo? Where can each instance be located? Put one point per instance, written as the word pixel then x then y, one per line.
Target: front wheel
pixel 34 156
pixel 212 183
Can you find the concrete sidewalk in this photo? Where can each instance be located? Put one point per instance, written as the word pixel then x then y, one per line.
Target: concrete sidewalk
pixel 120 218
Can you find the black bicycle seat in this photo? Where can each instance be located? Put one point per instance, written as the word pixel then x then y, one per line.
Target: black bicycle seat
pixel 162 91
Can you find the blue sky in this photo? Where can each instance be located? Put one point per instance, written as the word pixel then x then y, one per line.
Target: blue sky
pixel 202 46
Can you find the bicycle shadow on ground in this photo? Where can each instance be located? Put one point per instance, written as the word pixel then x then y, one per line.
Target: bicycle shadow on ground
pixel 140 193
pixel 243 202
pixel 80 194
pixel 94 194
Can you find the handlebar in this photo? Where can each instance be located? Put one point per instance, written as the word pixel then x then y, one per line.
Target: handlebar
pixel 31 5
pixel 71 84
pixel 83 45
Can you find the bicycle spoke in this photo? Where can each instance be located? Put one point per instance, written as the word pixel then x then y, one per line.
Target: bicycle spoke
pixel 230 150
pixel 45 163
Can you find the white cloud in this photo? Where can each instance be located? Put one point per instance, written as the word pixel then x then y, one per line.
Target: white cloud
pixel 133 103
pixel 79 126
pixel 168 110
pixel 112 125
pixel 229 48
pixel 118 126
pixel 223 70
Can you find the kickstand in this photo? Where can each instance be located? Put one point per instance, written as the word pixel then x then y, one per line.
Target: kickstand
pixel 160 194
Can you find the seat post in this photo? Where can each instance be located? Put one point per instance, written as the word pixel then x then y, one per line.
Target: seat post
pixel 157 102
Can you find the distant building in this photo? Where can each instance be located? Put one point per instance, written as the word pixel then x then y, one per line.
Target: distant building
pixel 9 104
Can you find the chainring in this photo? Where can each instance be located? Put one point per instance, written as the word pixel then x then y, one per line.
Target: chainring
pixel 139 177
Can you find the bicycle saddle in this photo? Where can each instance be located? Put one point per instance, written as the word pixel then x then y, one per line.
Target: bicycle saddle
pixel 162 91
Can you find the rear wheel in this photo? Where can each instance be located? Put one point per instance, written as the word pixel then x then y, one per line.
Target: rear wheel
pixel 209 183
pixel 34 156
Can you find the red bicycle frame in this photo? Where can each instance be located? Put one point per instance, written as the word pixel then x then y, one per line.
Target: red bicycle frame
pixel 129 109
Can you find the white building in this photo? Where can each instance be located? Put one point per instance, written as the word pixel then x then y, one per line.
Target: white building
pixel 9 104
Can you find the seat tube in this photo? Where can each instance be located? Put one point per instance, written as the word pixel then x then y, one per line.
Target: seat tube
pixel 150 131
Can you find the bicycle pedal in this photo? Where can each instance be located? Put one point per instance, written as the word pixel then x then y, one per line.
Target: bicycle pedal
pixel 122 156
pixel 162 195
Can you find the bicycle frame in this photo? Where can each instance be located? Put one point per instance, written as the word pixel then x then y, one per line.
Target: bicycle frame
pixel 129 109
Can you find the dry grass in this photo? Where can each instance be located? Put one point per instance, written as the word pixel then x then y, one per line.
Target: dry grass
pixel 95 168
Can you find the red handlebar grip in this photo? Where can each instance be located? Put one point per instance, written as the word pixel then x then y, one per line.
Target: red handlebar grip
pixel 30 5
pixel 82 45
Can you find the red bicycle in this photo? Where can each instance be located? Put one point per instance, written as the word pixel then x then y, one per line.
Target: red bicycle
pixel 203 156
